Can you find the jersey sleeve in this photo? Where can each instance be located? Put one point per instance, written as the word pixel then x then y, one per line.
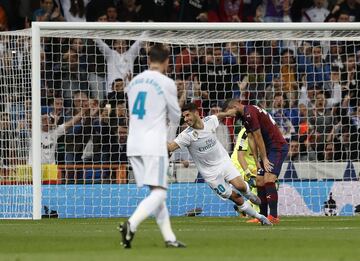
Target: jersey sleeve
pixel 172 104
pixel 215 121
pixel 212 120
pixel 60 130
pixel 104 48
pixel 183 140
pixel 253 121
pixel 243 144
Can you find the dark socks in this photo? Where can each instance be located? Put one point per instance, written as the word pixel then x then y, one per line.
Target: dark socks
pixel 261 192
pixel 272 198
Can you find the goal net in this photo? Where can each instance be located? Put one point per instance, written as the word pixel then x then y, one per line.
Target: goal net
pixel 307 79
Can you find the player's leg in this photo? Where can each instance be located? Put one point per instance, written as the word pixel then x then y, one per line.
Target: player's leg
pixel 225 191
pixel 147 207
pixel 277 157
pixel 163 220
pixel 232 176
pixel 146 172
pixel 261 192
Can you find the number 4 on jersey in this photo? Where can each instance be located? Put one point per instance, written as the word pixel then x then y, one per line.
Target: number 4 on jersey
pixel 139 105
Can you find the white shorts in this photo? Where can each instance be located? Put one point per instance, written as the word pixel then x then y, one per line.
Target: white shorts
pixel 150 170
pixel 220 183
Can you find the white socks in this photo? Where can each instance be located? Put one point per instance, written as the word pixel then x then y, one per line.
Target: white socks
pixel 147 207
pixel 247 192
pixel 154 204
pixel 163 221
pixel 247 208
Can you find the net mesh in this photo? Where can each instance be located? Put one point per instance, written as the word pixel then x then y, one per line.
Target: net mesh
pixel 307 80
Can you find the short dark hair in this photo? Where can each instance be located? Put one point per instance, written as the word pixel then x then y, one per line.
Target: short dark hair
pixel 189 107
pixel 115 81
pixel 158 53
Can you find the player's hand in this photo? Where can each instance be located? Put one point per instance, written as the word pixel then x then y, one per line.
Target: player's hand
pixel 268 166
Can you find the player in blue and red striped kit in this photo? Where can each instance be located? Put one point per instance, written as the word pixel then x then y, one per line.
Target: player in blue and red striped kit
pixel 266 139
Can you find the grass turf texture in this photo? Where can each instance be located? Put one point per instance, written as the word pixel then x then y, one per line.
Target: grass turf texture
pixel 310 238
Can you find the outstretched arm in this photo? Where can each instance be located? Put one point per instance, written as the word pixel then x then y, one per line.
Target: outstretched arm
pixel 228 113
pixel 103 47
pixel 73 121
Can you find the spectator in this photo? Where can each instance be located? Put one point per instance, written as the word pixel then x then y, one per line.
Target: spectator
pixel 48 12
pixel 318 71
pixel 120 62
pixel 70 77
pixel 194 11
pixel 336 54
pixel 355 119
pixel 255 78
pixel 50 134
pixel 112 14
pixel 297 9
pixel 164 10
pixel 350 8
pixel 215 77
pixel 3 19
pixel 118 146
pixel 322 122
pixel 350 79
pixel 334 93
pixel 317 13
pixel 343 17
pixel 96 10
pixel 77 136
pixel 92 149
pixel 307 94
pixel 129 11
pixel 294 150
pixel 288 71
pixel 74 10
pixel 278 114
pixel 277 11
pixel 117 95
pixel 231 10
pixel 77 45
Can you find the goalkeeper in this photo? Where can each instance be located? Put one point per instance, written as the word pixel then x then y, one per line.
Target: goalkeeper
pixel 244 161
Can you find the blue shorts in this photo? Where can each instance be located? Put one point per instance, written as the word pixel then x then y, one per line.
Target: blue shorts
pixel 276 157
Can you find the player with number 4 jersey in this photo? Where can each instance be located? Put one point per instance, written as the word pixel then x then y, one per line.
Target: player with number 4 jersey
pixel 152 99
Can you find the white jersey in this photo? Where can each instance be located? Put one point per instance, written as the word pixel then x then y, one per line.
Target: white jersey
pixel 48 145
pixel 315 14
pixel 152 98
pixel 208 154
pixel 118 65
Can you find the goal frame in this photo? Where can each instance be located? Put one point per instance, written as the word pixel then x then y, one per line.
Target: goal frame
pixel 36 73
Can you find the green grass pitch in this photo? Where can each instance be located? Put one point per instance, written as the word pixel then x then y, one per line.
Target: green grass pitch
pixel 300 239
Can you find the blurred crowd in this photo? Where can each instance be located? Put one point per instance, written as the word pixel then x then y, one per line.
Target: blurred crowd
pixel 18 14
pixel 310 88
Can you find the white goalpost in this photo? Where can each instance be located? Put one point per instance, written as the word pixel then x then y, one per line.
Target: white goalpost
pixel 73 165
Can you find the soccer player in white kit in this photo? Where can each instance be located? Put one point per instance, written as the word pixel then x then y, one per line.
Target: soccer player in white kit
pixel 212 160
pixel 152 98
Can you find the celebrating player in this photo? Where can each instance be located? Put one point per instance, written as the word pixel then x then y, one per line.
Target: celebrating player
pixel 212 160
pixel 273 149
pixel 152 96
